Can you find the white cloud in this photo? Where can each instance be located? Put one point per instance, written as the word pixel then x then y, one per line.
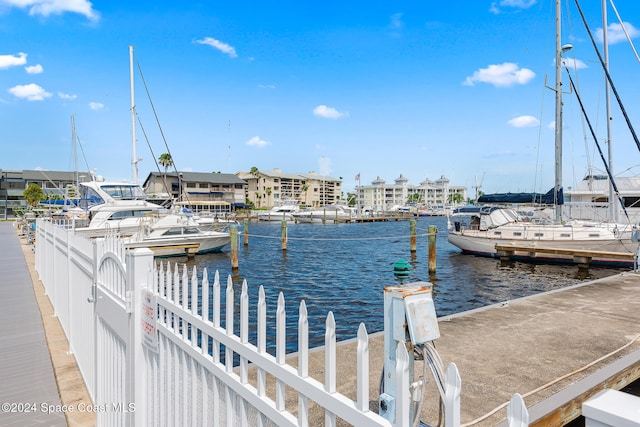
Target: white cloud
pixel 62 95
pixel 325 166
pixel 328 112
pixel 576 64
pixel 257 142
pixel 30 92
pixel 34 69
pixel 615 32
pixel 524 122
pixel 96 106
pixel 221 46
pixel 501 75
pixel 267 86
pixel 55 7
pixel 496 7
pixel 7 61
pixel 396 21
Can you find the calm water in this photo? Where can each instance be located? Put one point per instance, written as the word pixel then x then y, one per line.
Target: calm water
pixel 343 268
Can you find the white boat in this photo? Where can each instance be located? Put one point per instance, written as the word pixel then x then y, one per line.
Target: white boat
pixel 545 241
pixel 174 235
pixel 285 211
pixel 115 207
pixel 328 213
pixel 121 208
pixel 491 227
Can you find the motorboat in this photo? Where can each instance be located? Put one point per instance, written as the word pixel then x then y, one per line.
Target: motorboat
pixel 285 211
pixel 116 207
pixel 122 209
pixel 174 235
pixel 328 213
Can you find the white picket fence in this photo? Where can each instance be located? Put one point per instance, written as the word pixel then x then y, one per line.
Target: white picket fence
pixel 99 292
pixel 150 352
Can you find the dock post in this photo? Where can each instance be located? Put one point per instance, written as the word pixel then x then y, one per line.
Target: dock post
pixel 246 232
pixel 284 234
pixel 233 234
pixel 433 232
pixel 412 232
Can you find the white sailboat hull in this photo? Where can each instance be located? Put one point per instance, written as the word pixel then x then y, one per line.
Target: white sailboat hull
pixel 555 243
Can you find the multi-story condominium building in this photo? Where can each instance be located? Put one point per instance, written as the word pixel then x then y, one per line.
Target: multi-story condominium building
pixel 271 188
pixel 381 196
pixel 196 187
pixel 55 184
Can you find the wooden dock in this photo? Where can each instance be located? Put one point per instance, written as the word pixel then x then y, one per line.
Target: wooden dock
pixel 580 257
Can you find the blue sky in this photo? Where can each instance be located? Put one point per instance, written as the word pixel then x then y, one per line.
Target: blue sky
pixel 379 88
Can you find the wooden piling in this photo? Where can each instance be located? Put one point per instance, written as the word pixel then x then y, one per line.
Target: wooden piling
pixel 284 234
pixel 246 232
pixel 233 234
pixel 412 232
pixel 432 233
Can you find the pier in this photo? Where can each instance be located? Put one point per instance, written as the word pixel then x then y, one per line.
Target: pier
pixel 556 349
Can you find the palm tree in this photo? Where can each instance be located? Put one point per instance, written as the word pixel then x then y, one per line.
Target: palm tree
pixel 268 191
pixel 165 161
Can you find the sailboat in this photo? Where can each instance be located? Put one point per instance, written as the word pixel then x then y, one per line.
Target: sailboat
pixel 122 208
pixel 503 232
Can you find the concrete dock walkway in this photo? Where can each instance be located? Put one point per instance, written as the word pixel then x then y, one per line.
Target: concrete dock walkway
pixel 36 366
pixel 543 347
pixel 28 381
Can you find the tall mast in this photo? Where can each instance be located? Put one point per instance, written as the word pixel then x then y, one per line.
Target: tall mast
pixel 75 153
pixel 560 50
pixel 133 119
pixel 613 212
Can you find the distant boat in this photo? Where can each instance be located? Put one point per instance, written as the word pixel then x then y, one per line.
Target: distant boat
pixel 538 240
pixel 324 214
pixel 284 211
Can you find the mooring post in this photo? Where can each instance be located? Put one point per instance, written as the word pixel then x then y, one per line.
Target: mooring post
pixel 233 234
pixel 412 232
pixel 284 234
pixel 246 232
pixel 433 232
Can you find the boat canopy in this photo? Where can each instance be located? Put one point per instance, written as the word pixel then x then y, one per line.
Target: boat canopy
pixel 537 198
pixel 498 217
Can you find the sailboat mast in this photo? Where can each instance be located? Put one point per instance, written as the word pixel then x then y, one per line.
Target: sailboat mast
pixel 558 125
pixel 133 119
pixel 75 153
pixel 613 212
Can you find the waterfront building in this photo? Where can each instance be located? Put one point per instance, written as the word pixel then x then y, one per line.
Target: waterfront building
pixel 380 196
pixel 196 187
pixel 271 188
pixel 55 184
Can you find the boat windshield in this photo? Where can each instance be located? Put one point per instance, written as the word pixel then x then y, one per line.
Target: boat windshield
pixel 124 192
